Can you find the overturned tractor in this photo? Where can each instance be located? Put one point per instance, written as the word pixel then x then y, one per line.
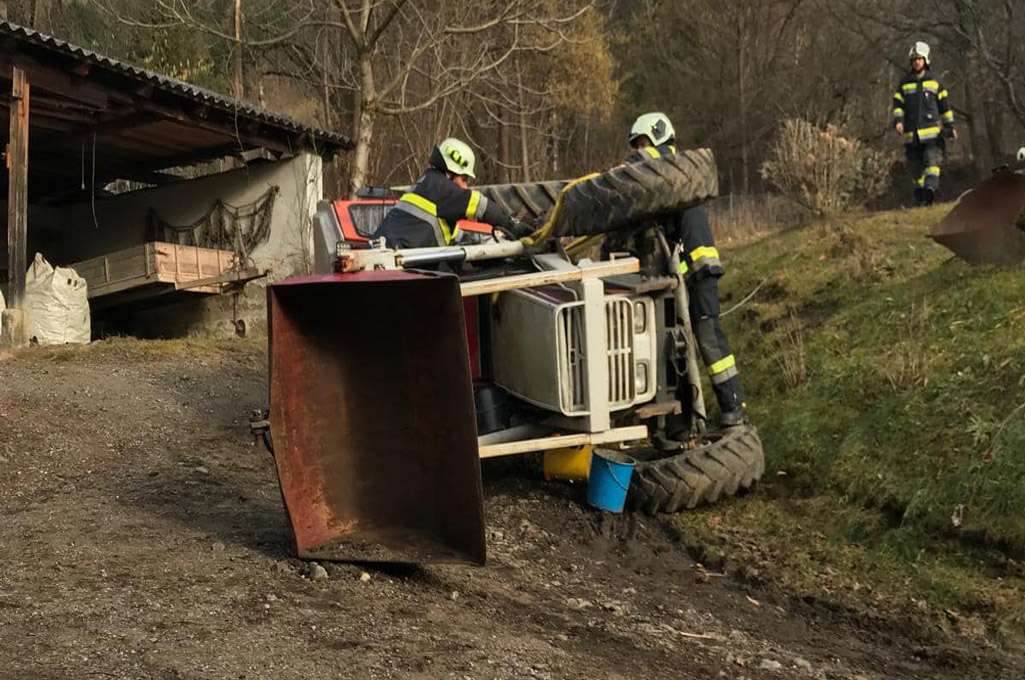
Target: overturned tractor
pixel 390 380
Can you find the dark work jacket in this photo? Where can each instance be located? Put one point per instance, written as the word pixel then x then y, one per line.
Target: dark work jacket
pixel 427 215
pixel 923 106
pixel 690 228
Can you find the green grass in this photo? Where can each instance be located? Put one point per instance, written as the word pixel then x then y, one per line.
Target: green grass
pixel 888 383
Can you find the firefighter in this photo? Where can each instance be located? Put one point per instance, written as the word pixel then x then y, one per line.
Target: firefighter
pixel 426 216
pixel 923 117
pixel 652 136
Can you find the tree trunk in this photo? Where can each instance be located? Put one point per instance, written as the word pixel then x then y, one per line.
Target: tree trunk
pixel 237 79
pixel 325 68
pixel 995 130
pixel 524 147
pixel 553 139
pixel 367 116
pixel 505 151
pixel 742 99
pixel 973 120
pixel 39 15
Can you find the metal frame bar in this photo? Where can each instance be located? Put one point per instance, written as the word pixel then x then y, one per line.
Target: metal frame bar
pixel 613 436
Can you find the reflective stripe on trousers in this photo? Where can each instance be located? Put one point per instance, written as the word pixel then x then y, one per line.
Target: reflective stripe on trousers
pixel 723 370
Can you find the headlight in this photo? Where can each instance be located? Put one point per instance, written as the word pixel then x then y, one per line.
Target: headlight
pixel 640 318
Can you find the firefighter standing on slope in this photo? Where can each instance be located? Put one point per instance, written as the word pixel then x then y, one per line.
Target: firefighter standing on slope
pixel 923 117
pixel 426 216
pixel 652 136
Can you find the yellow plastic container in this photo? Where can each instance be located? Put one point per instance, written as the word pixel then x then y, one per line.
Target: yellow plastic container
pixel 571 464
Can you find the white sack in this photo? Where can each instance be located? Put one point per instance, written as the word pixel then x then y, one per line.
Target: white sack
pixel 56 304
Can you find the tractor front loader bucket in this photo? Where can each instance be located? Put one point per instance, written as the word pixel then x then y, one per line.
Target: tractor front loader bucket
pixel 985 226
pixel 372 418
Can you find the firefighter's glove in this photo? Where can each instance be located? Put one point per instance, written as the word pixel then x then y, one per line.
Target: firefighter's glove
pixel 519 229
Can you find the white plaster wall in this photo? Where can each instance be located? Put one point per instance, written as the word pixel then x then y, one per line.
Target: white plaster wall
pixel 119 222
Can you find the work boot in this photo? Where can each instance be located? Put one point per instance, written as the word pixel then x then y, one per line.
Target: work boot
pixel 928 196
pixel 732 418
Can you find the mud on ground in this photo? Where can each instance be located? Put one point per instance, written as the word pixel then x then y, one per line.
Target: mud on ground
pixel 144 537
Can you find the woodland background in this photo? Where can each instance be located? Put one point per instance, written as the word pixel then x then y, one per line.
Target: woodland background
pixel 548 88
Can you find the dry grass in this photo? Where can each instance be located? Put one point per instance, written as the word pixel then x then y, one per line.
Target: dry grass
pixel 737 219
pixel 864 260
pixel 907 366
pixel 790 355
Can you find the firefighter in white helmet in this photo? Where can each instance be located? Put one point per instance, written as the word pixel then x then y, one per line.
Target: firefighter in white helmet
pixel 922 116
pixel 653 136
pixel 427 215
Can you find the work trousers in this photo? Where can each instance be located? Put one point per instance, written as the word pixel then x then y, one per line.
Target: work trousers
pixel 923 160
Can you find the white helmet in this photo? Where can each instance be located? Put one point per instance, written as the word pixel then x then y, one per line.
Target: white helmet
pixel 920 49
pixel 654 126
pixel 457 156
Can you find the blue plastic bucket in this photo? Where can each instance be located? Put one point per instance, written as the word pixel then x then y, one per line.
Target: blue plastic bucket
pixel 609 480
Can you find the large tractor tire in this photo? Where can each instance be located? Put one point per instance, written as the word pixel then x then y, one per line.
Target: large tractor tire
pixel 728 462
pixel 621 197
pixel 526 200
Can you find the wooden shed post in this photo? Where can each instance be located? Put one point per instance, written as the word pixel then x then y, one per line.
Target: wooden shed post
pixel 17 208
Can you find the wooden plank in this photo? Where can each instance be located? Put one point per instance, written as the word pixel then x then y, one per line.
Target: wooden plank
pixel 56 80
pixel 619 434
pixel 17 188
pixel 213 283
pixel 179 266
pixel 487 286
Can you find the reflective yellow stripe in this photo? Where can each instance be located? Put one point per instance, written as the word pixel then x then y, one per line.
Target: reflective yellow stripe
pixel 920 181
pixel 471 207
pixel 909 87
pixel 652 151
pixel 703 251
pixel 446 231
pixel 899 97
pixel 898 113
pixel 933 170
pixel 948 116
pixel 722 365
pixel 931 85
pixel 928 133
pixel 672 148
pixel 457 233
pixel 943 95
pixel 683 268
pixel 420 202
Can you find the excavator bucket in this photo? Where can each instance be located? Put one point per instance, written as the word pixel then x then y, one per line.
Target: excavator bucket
pixel 987 222
pixel 372 418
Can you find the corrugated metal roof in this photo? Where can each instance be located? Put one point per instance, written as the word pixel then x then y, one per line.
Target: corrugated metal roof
pixel 208 97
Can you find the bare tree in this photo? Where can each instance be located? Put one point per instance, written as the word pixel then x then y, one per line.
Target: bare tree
pixel 399 56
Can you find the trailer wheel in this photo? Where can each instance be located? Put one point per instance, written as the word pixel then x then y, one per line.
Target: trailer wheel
pixel 621 197
pixel 729 461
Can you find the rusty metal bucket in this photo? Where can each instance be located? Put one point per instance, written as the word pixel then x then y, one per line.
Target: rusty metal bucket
pixel 985 225
pixel 371 411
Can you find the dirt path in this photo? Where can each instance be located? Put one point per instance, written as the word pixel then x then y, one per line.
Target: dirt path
pixel 143 537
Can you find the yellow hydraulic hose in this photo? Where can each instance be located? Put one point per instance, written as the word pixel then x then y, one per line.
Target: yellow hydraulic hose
pixel 545 232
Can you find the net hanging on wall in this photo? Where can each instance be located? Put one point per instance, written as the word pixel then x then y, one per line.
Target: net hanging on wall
pixel 239 228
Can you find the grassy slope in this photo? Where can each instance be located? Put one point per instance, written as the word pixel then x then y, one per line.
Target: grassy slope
pixel 884 377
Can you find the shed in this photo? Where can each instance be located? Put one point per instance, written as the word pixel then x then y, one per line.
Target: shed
pixel 95 151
